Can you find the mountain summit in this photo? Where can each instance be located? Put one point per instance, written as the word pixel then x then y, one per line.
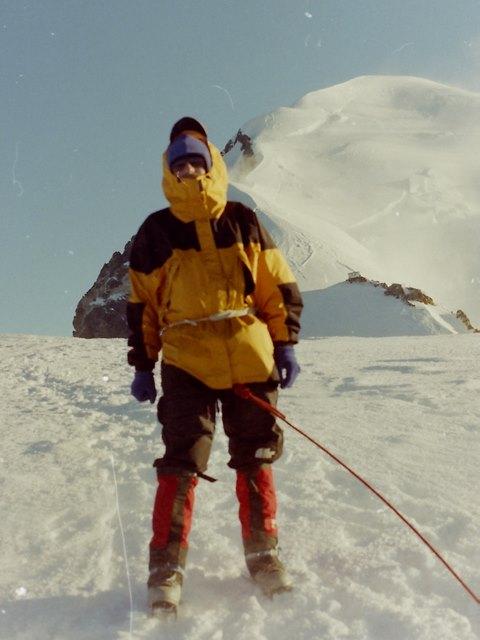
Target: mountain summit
pixel 381 175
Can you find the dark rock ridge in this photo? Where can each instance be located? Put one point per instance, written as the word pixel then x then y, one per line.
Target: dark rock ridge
pixel 101 313
pixel 246 145
pixel 462 316
pixel 407 294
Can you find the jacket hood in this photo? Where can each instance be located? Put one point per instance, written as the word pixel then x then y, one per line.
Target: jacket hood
pixel 200 198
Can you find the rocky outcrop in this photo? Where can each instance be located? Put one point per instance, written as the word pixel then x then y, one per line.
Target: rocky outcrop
pixel 246 145
pixel 356 276
pixel 101 313
pixel 407 294
pixel 462 316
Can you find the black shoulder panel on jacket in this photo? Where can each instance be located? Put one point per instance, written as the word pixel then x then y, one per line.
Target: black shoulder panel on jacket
pixel 239 224
pixel 156 239
pixel 266 240
pixel 292 299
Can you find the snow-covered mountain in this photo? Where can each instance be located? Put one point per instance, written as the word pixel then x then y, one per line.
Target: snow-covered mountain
pixel 403 412
pixel 379 175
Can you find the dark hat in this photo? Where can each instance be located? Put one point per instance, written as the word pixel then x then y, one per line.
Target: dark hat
pixel 188 146
pixel 187 124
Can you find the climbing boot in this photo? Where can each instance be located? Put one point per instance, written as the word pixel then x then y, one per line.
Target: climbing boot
pixel 164 589
pixel 268 571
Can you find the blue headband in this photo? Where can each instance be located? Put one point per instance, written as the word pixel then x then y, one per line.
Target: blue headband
pixel 184 146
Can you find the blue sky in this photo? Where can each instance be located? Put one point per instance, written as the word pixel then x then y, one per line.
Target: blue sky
pixel 90 90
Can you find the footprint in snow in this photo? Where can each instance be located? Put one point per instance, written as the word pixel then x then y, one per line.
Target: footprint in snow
pixel 42 446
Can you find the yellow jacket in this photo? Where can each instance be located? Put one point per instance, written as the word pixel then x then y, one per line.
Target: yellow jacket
pixel 201 256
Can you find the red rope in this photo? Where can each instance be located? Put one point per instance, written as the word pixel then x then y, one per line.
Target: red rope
pixel 245 393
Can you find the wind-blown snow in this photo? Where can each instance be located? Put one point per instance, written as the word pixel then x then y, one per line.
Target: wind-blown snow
pixel 405 412
pixel 381 176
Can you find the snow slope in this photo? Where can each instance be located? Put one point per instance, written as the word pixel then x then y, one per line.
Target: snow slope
pixel 405 412
pixel 381 176
pixel 363 309
pixel 316 262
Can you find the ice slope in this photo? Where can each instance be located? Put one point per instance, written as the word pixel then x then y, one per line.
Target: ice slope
pixel 381 174
pixel 405 412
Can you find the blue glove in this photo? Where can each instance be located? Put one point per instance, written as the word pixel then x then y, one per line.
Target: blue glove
pixel 143 386
pixel 287 364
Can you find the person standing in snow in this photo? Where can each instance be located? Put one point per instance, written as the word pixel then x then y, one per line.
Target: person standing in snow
pixel 210 289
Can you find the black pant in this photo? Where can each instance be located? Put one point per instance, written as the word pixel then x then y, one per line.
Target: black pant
pixel 187 410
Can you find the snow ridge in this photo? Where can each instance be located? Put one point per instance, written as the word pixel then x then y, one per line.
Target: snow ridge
pixel 380 173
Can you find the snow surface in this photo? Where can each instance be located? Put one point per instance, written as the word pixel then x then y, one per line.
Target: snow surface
pixel 404 412
pixel 379 175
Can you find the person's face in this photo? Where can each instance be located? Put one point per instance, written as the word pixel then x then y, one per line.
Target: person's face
pixel 188 168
